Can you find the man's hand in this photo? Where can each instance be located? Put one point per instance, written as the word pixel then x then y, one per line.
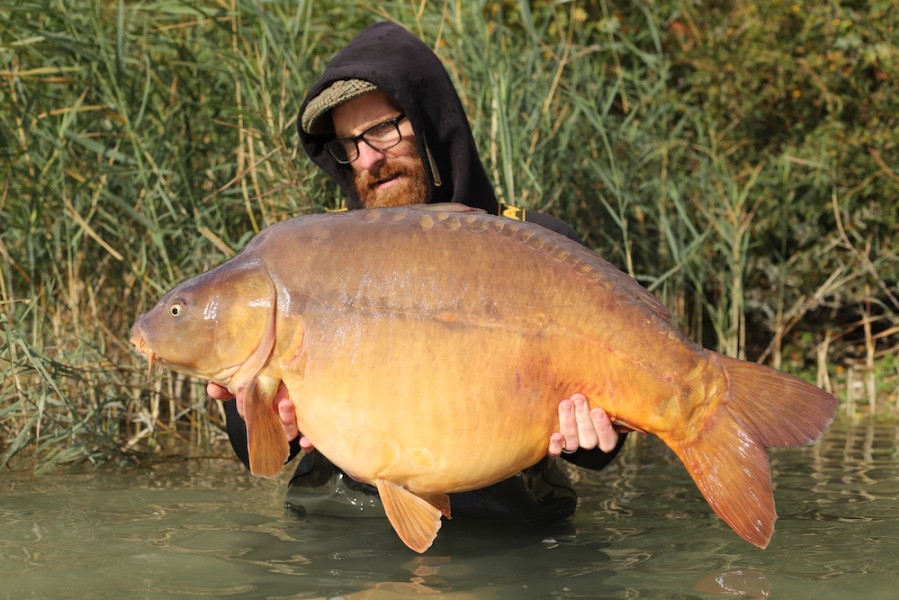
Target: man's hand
pixel 581 427
pixel 217 392
pixel 286 411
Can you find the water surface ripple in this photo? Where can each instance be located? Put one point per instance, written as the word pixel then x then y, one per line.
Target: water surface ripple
pixel 196 529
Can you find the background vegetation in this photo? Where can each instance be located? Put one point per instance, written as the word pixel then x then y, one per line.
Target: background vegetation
pixel 739 159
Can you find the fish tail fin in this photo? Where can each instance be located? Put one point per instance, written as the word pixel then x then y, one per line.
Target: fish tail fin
pixel 267 444
pixel 727 459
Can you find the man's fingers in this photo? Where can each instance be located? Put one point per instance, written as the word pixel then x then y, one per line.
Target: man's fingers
pixel 602 426
pixel 587 435
pixel 288 416
pixel 568 426
pixel 217 392
pixel 581 427
pixel 556 445
pixel 286 410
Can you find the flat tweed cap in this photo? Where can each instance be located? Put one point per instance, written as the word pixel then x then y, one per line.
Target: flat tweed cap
pixel 334 95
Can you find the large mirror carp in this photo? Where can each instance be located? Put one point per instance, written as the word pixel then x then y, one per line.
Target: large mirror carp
pixel 426 350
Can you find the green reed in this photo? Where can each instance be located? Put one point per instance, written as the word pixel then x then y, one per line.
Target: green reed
pixel 752 186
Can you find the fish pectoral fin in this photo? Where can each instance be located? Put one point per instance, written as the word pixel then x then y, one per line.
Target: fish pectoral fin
pixel 267 444
pixel 415 519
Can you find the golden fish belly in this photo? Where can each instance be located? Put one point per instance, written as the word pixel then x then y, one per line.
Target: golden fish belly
pixel 421 412
pixel 442 403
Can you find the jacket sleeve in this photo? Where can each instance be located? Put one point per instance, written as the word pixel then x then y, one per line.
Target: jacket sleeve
pixel 595 459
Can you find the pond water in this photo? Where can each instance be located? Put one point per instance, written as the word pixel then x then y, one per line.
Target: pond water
pixel 203 528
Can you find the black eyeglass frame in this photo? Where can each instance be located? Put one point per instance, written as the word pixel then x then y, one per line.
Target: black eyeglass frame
pixel 337 148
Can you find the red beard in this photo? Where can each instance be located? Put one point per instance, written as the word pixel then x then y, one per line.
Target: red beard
pixel 411 186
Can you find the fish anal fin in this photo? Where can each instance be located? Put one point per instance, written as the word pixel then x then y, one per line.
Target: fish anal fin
pixel 415 519
pixel 267 444
pixel 441 502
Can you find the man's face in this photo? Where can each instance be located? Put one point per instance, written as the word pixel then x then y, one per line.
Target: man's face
pixel 391 177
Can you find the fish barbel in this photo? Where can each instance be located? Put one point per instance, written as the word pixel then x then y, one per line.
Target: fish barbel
pixel 426 349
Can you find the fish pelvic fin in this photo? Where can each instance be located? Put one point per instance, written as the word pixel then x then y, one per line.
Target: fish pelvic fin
pixel 416 519
pixel 267 445
pixel 727 459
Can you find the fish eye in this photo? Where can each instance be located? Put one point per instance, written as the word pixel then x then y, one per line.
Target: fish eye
pixel 176 309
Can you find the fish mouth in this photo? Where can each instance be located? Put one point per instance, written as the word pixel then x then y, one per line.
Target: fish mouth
pixel 141 346
pixel 222 377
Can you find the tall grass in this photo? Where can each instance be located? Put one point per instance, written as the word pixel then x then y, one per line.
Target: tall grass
pixel 141 143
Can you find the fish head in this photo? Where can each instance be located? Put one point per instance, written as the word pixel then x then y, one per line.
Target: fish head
pixel 216 326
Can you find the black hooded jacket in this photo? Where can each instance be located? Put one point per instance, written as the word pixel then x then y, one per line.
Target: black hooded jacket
pixel 406 69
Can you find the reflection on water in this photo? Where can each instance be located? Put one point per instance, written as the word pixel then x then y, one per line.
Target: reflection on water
pixel 205 529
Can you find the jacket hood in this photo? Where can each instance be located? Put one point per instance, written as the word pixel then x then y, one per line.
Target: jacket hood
pixel 406 69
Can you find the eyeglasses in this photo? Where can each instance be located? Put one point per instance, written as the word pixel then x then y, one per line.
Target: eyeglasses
pixel 380 137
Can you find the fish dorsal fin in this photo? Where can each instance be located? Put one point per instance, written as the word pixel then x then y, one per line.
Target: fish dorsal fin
pixel 415 519
pixel 266 443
